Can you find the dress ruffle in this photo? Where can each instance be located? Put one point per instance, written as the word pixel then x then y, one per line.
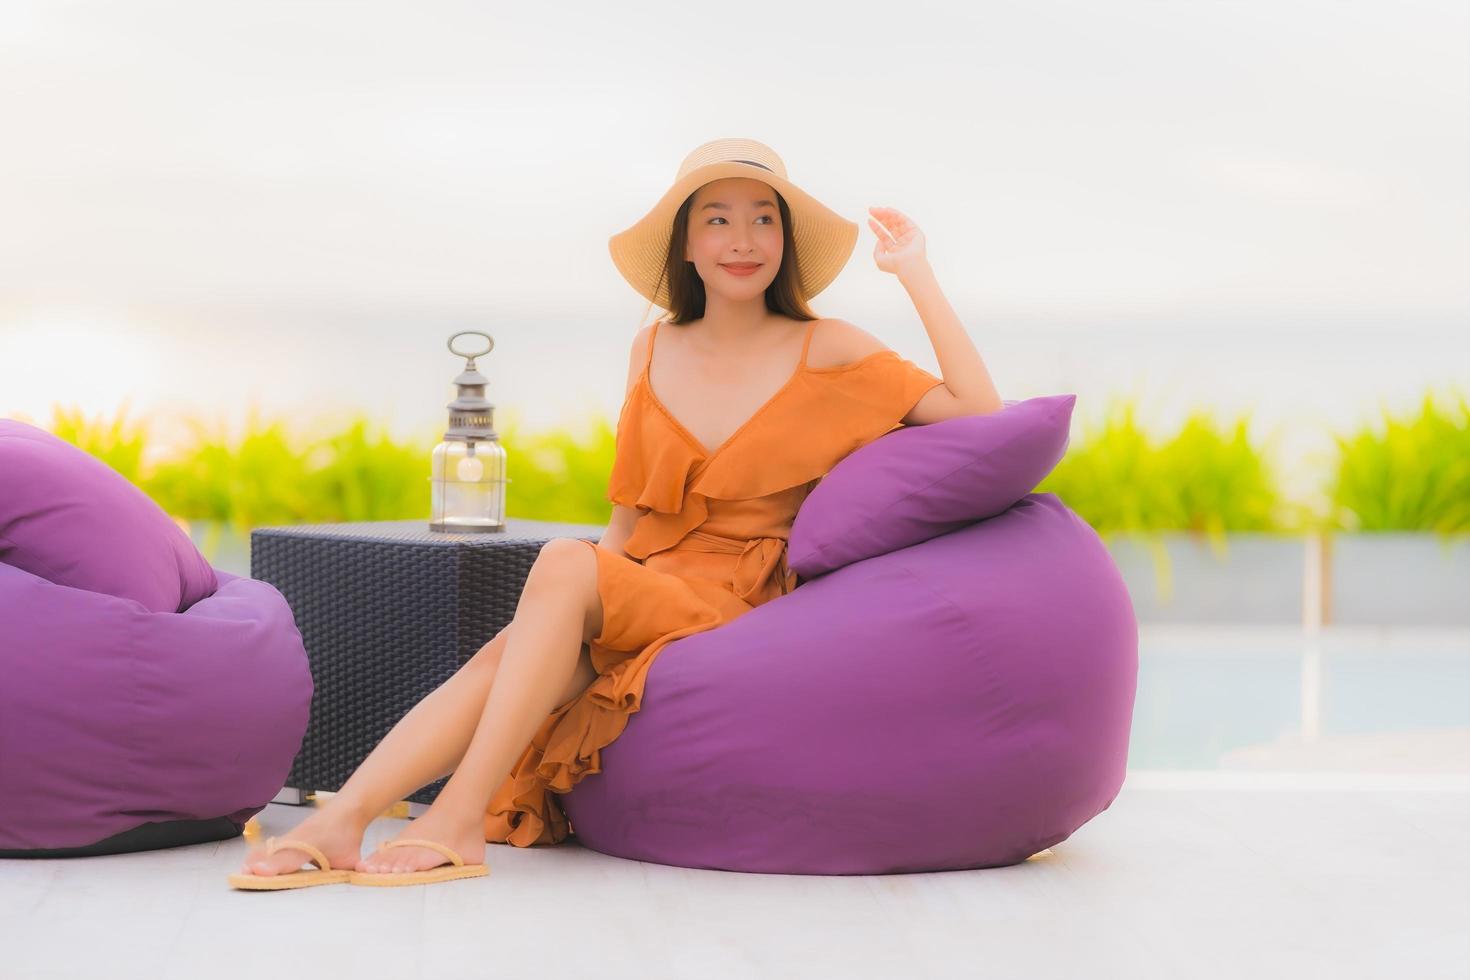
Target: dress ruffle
pixel 658 470
pixel 567 746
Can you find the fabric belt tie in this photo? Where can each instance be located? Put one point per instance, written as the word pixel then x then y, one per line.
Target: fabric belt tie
pixel 760 560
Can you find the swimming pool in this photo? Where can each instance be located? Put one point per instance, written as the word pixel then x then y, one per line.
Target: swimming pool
pixel 1282 700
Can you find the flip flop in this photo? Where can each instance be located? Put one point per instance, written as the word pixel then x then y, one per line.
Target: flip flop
pixel 325 874
pixel 444 872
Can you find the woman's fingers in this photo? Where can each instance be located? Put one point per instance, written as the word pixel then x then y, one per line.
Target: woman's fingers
pixel 891 217
pixel 880 231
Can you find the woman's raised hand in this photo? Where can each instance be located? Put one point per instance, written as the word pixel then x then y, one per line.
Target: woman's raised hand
pixel 900 245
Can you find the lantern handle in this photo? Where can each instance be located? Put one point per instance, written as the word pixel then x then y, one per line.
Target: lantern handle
pixel 466 333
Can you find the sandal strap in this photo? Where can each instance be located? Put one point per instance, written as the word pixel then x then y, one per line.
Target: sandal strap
pixel 272 845
pixel 443 849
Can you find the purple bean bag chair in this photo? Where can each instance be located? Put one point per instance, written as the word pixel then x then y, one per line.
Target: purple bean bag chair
pixel 950 687
pixel 147 700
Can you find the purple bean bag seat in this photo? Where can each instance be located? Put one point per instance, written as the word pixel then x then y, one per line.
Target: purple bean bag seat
pixel 148 700
pixel 951 686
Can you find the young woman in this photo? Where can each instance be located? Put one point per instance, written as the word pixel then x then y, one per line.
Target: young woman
pixel 737 403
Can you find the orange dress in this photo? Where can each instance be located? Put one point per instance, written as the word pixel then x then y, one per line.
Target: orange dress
pixel 708 546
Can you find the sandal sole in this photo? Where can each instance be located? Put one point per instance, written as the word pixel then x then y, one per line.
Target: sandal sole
pixel 291 879
pixel 427 877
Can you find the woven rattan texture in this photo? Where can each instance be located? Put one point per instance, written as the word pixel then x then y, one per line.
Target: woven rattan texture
pixel 388 611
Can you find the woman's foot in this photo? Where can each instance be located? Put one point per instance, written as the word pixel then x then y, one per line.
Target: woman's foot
pixel 465 835
pixel 336 834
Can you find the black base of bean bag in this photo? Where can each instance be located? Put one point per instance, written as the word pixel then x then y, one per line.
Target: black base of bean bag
pixel 147 837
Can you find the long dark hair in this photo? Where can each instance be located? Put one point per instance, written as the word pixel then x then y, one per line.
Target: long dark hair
pixel 686 289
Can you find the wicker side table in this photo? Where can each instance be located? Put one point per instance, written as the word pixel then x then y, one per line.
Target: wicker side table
pixel 388 611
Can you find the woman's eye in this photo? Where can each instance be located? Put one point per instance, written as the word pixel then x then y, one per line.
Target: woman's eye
pixel 765 216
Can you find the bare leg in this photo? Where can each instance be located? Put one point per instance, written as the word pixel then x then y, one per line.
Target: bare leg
pixel 427 743
pixel 544 665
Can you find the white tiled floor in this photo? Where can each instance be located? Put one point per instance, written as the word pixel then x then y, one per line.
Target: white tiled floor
pixel 1210 875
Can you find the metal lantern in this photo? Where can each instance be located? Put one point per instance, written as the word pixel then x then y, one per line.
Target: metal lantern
pixel 468 470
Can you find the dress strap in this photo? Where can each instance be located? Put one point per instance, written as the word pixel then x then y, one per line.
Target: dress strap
pixel 806 344
pixel 648 357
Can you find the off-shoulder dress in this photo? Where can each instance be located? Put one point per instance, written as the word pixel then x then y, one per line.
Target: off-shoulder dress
pixel 709 545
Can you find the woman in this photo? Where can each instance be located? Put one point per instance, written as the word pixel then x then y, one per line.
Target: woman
pixel 719 440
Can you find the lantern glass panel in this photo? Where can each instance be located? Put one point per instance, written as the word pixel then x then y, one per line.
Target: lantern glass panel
pixel 468 480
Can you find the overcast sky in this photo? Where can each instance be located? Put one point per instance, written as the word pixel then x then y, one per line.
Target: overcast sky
pixel 204 204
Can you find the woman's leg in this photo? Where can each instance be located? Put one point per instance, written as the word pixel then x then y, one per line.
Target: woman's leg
pixel 544 665
pixel 427 743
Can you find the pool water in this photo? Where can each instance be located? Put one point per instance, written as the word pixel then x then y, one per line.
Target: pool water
pixel 1345 699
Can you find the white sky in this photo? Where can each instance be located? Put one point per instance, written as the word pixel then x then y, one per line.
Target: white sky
pixel 1251 205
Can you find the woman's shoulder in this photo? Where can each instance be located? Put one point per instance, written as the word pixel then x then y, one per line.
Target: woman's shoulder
pixel 638 356
pixel 837 344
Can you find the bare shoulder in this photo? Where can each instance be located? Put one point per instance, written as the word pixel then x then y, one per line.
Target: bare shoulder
pixel 640 339
pixel 637 354
pixel 836 342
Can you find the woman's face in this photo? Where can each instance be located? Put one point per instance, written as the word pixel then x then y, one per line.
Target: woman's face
pixel 736 221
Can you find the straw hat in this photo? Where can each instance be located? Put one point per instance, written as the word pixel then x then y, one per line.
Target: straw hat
pixel 824 239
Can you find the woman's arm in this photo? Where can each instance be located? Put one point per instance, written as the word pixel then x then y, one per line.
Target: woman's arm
pixel 900 249
pixel 962 367
pixel 619 529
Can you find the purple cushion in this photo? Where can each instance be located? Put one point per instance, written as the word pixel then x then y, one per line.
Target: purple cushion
pixel 73 520
pixel 919 482
pixel 112 716
pixel 962 703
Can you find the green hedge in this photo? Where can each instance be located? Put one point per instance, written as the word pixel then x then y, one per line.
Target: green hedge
pixel 1396 474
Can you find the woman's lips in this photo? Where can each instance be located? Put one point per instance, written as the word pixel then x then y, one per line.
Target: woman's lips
pixel 737 271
